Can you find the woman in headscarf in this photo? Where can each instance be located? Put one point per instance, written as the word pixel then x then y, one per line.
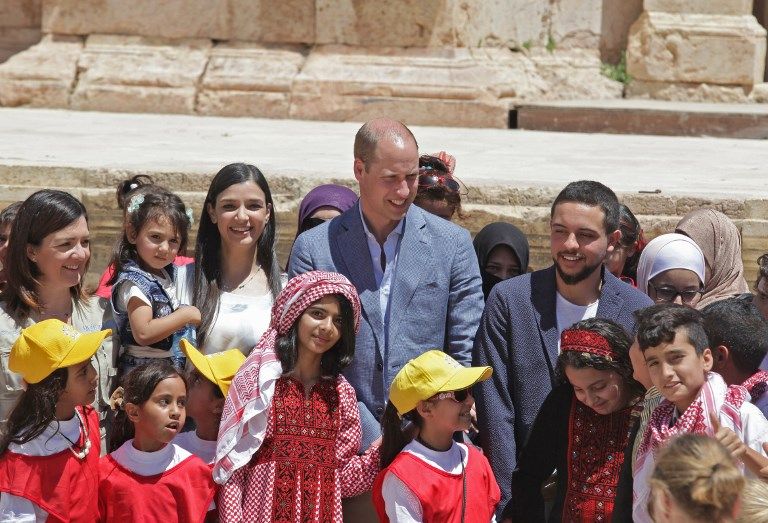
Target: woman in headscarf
pixel 502 252
pixel 290 430
pixel 720 241
pixel 671 269
pixel 323 203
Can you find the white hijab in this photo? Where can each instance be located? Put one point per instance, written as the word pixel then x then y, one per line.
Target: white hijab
pixel 669 251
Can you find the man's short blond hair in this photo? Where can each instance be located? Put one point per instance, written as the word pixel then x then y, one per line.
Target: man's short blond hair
pixel 375 131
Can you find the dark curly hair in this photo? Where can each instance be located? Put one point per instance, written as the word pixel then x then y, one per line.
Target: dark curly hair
pixel 619 341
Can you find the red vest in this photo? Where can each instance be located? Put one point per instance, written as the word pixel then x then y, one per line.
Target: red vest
pixel 440 492
pixel 60 484
pixel 181 494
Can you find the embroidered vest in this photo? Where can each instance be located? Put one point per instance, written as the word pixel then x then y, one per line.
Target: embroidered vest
pixel 161 302
pixel 440 492
pixel 61 484
pixel 181 494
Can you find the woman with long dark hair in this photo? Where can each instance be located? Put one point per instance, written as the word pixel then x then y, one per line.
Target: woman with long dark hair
pixel 47 258
pixel 236 272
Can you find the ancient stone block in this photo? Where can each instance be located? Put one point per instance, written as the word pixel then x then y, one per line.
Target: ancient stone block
pixel 573 74
pixel 705 7
pixel 41 76
pixel 267 21
pixel 576 23
pixel 687 92
pixel 137 74
pixel 249 80
pixel 14 40
pixel 617 17
pixel 696 48
pixel 20 13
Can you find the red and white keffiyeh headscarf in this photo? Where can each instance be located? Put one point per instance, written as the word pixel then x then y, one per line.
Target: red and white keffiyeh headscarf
pixel 715 397
pixel 246 409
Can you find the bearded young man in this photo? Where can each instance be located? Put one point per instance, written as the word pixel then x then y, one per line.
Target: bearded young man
pixel 519 332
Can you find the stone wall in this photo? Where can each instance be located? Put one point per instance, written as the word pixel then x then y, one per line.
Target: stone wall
pixel 528 208
pixel 19 26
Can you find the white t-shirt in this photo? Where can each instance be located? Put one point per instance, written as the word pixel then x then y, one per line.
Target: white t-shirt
pixel 400 503
pixel 191 442
pixel 149 463
pixel 239 323
pixel 569 313
pixel 53 440
pixel 128 290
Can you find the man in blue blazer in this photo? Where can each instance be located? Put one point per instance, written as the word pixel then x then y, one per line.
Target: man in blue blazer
pixel 519 334
pixel 416 273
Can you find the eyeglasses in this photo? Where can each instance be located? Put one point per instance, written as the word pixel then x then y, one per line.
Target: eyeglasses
pixel 668 294
pixel 458 396
pixel 429 177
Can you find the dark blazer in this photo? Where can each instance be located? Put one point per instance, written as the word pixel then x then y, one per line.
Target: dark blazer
pixel 436 298
pixel 518 337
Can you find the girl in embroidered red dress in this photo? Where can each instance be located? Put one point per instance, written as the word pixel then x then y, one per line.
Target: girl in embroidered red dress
pixel 290 431
pixel 147 477
pixel 582 428
pixel 49 456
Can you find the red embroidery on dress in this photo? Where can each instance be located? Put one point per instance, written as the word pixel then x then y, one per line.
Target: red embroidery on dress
pixel 756 384
pixel 303 449
pixel 596 445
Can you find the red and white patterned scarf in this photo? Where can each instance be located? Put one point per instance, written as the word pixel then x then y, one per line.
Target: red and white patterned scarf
pixel 756 384
pixel 715 397
pixel 246 409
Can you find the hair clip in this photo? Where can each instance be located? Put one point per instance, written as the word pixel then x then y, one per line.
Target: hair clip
pixel 190 216
pixel 117 399
pixel 135 203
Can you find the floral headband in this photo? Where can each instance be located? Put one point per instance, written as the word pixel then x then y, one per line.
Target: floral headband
pixel 578 340
pixel 135 204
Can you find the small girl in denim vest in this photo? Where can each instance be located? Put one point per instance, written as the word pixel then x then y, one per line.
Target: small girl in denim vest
pixel 149 319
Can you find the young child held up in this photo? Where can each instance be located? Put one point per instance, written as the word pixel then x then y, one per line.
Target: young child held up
pixel 696 400
pixel 49 457
pixel 149 319
pixel 290 432
pixel 208 381
pixel 432 477
pixel 146 477
pixel 582 429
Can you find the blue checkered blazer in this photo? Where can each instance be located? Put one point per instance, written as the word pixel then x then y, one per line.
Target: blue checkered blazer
pixel 436 298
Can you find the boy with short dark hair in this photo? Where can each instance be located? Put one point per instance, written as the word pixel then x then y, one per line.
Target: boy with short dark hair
pixel 207 387
pixel 738 338
pixel 696 400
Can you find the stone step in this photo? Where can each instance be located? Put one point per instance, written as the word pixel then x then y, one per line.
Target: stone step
pixel 652 117
pixel 511 175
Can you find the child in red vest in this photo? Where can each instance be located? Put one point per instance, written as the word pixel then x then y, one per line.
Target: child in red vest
pixel 50 454
pixel 148 478
pixel 433 478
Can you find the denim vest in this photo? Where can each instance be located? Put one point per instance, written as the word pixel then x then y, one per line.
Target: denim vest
pixel 161 302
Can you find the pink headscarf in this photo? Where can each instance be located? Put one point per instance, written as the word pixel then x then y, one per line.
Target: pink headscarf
pixel 246 409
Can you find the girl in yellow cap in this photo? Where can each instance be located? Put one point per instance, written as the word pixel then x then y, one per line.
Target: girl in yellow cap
pixel 433 478
pixel 49 457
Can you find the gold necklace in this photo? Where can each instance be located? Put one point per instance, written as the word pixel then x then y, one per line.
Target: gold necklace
pixel 244 282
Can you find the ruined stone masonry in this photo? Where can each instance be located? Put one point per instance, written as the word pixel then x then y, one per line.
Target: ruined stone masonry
pixel 435 62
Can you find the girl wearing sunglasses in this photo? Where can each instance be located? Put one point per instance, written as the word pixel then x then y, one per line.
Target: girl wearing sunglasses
pixel 439 192
pixel 433 478
pixel 582 429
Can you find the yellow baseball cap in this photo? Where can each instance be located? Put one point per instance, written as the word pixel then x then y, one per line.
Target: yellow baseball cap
pixel 430 373
pixel 219 368
pixel 49 345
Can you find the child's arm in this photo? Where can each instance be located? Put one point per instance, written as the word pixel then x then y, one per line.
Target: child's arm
pixel 355 472
pixel 147 330
pixel 753 460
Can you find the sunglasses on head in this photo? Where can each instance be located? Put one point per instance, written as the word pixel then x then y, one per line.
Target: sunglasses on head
pixel 458 396
pixel 429 177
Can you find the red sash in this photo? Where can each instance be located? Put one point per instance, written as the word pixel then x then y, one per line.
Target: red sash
pixel 61 484
pixel 440 492
pixel 181 494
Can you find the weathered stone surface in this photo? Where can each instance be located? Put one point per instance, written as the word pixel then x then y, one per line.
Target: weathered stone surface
pixel 576 23
pixel 698 48
pixel 249 80
pixel 617 17
pixel 759 93
pixel 573 74
pixel 705 7
pixel 137 74
pixel 41 76
pixel 20 13
pixel 14 40
pixel 267 21
pixel 687 92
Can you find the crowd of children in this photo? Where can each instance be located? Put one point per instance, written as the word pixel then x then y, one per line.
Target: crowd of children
pixel 135 405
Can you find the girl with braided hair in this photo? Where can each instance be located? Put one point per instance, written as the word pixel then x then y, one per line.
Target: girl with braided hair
pixel 582 429
pixel 290 431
